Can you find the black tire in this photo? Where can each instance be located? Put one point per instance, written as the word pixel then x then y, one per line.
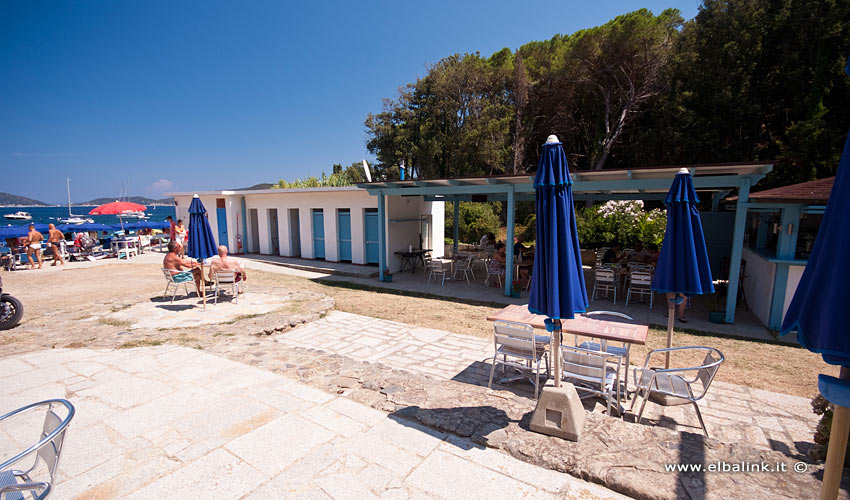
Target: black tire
pixel 11 312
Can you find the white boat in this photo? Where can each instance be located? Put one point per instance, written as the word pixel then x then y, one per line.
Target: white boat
pixel 135 215
pixel 19 215
pixel 73 219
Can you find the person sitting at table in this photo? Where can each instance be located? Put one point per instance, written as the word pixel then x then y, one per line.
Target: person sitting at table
pixel 640 255
pixel 223 264
pixel 497 262
pixel 483 242
pixel 178 265
pixel 612 255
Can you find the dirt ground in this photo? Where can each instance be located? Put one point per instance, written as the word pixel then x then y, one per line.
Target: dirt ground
pixel 61 310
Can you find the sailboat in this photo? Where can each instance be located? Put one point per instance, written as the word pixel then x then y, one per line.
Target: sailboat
pixel 73 219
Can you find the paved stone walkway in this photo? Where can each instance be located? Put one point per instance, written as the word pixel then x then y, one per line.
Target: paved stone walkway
pixel 733 413
pixel 175 422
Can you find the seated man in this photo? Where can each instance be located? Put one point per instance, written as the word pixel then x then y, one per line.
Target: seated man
pixel 176 265
pixel 224 263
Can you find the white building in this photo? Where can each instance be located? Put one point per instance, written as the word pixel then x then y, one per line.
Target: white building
pixel 338 224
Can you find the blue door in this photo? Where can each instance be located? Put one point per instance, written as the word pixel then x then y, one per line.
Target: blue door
pixel 221 218
pixel 343 227
pixel 371 236
pixel 318 234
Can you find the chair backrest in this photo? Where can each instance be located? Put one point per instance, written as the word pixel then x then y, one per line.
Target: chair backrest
pixel 583 362
pixel 225 277
pixel 640 279
pixel 169 276
pixel 709 368
pixel 52 447
pixel 51 439
pixel 604 275
pixel 515 335
pixel 437 266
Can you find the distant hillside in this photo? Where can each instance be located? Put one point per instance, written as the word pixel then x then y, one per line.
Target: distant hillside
pixel 263 185
pixel 142 200
pixel 13 200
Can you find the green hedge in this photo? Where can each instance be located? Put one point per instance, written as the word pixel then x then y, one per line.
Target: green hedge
pixel 620 222
pixel 476 219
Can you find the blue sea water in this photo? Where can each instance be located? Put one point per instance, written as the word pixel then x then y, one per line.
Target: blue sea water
pixel 48 215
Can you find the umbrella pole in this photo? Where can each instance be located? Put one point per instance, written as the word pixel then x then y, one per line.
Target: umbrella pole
pixel 556 352
pixel 203 285
pixel 671 318
pixel 836 448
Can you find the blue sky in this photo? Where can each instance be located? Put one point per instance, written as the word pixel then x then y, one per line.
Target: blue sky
pixel 195 95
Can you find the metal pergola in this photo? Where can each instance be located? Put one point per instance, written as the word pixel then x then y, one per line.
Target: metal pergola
pixel 650 183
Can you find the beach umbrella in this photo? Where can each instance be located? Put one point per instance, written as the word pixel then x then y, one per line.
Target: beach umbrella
pixel 683 263
pixel 201 242
pixel 118 208
pixel 20 231
pixel 818 313
pixel 557 284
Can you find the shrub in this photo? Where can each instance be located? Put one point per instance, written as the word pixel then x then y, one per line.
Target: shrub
pixel 822 407
pixel 620 222
pixel 476 219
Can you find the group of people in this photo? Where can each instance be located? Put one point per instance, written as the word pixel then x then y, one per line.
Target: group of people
pixel 174 262
pixel 640 255
pixel 178 234
pixel 32 246
pixel 497 251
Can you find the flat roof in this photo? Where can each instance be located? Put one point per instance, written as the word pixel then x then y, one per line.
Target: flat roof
pixel 232 192
pixel 615 181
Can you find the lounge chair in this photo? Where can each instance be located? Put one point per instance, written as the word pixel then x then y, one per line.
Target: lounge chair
pixel 15 481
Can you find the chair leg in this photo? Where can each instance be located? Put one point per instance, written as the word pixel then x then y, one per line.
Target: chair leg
pixel 215 302
pixel 628 296
pixel 537 379
pixel 699 416
pixel 593 293
pixel 643 405
pixel 165 293
pixel 175 293
pixel 492 369
pixel 236 287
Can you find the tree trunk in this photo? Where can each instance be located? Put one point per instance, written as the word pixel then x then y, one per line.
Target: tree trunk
pixel 521 93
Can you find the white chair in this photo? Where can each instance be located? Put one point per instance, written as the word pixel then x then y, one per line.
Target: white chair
pixel 620 351
pixel 176 279
pixel 438 268
pixel 16 481
pixel 640 283
pixel 588 371
pixel 464 266
pixel 605 281
pixel 227 278
pixel 525 350
pixel 492 272
pixel 672 382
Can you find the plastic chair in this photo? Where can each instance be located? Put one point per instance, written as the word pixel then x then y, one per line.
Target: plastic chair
pixel 13 481
pixel 232 278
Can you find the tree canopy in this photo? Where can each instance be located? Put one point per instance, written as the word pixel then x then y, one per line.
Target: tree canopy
pixel 745 80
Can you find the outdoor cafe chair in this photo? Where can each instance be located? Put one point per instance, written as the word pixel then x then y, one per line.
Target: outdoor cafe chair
pixel 231 278
pixel 175 280
pixel 589 371
pixel 464 266
pixel 15 481
pixel 605 281
pixel 622 351
pixel 640 283
pixel 438 268
pixel 521 349
pixel 674 382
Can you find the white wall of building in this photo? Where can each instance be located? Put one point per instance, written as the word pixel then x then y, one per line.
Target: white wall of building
pixel 759 284
pixel 794 275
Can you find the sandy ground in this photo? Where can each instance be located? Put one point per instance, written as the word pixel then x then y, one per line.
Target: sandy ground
pixel 70 307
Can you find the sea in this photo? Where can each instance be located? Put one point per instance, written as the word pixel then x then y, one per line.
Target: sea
pixel 48 215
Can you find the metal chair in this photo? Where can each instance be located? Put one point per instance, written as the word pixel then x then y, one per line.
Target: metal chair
pixel 621 351
pixel 605 281
pixel 15 482
pixel 464 266
pixel 232 278
pixel 492 270
pixel 438 268
pixel 175 280
pixel 640 283
pixel 588 370
pixel 517 341
pixel 671 382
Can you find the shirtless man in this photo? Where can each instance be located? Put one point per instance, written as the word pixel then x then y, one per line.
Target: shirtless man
pixel 223 263
pixel 33 243
pixel 55 238
pixel 177 265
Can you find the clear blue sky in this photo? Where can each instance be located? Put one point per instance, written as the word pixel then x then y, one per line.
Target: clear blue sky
pixel 194 95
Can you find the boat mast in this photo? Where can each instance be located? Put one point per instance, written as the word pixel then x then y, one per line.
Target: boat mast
pixel 68 184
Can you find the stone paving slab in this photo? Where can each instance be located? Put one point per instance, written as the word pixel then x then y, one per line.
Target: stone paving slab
pixel 733 413
pixel 269 438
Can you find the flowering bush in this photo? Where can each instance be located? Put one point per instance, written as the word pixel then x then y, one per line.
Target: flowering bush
pixel 620 222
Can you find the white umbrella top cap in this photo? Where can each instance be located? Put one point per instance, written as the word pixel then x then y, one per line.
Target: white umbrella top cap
pixel 552 138
pixel 196 196
pixel 683 170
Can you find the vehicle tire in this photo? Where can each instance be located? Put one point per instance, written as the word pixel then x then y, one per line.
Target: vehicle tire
pixel 11 312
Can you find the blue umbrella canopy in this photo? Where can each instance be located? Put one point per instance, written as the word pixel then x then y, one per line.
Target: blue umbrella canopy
pixel 88 226
pixel 147 224
pixel 20 231
pixel 201 241
pixel 818 310
pixel 557 285
pixel 683 263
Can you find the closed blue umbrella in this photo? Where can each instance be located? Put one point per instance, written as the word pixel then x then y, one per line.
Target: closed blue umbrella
pixel 683 263
pixel 818 312
pixel 201 242
pixel 557 284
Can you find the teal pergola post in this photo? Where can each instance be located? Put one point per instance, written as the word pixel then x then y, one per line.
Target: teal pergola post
pixel 382 237
pixel 455 225
pixel 509 251
pixel 737 249
pixel 786 248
